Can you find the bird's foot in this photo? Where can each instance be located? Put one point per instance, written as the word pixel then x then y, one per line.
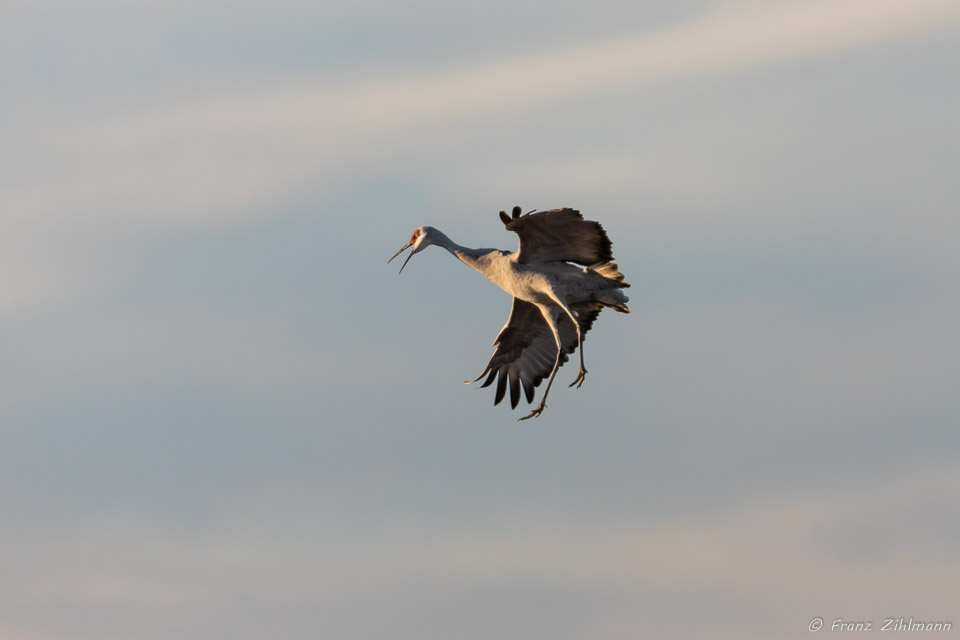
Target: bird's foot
pixel 535 413
pixel 580 378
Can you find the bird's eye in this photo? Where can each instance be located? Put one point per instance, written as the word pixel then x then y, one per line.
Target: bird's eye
pixel 415 234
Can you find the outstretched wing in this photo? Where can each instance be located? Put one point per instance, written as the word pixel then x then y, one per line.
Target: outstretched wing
pixel 559 234
pixel 525 348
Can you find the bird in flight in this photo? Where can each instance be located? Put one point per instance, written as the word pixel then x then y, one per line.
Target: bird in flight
pixel 560 278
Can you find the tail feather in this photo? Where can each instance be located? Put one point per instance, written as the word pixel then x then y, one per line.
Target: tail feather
pixel 610 271
pixel 617 303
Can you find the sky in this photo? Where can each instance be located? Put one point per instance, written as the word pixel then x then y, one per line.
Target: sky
pixel 224 416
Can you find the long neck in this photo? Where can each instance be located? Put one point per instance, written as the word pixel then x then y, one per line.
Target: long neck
pixel 466 255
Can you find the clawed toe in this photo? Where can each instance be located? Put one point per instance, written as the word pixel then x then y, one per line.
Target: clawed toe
pixel 580 378
pixel 534 414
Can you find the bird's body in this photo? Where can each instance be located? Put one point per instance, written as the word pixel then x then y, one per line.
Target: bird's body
pixel 555 301
pixel 536 283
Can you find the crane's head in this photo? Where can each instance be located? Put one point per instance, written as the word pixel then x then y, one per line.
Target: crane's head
pixel 420 240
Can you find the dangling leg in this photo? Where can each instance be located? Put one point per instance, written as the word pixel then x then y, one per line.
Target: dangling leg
pixel 551 315
pixel 582 374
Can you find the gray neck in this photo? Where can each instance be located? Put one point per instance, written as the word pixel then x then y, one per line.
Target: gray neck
pixel 466 255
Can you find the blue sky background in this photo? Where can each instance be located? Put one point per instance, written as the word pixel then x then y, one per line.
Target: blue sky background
pixel 222 415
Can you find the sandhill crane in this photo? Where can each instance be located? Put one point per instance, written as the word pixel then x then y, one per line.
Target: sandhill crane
pixel 554 302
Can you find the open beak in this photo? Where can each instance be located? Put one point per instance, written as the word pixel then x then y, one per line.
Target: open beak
pixel 402 249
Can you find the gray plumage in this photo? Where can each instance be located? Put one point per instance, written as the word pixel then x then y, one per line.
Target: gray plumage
pixel 555 302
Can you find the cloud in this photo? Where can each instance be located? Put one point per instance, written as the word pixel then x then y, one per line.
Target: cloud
pixel 296 492
pixel 232 154
pixel 209 155
pixel 779 558
pixel 206 347
pixel 743 550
